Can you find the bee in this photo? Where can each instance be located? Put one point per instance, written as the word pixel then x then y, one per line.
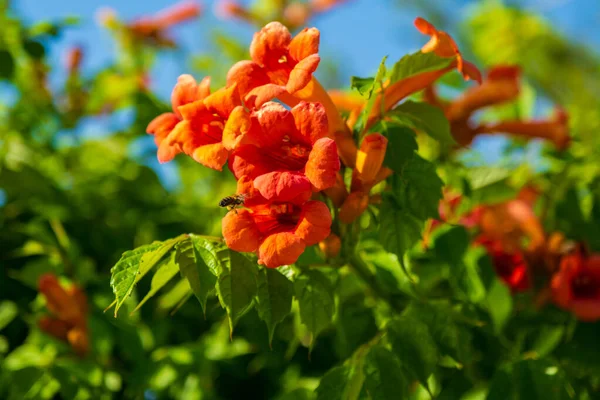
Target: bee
pixel 233 202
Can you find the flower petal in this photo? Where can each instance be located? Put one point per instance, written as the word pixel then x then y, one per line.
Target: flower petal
pixel 305 43
pixel 193 110
pixel 263 94
pixel 240 231
pixel 185 91
pixel 369 158
pixel 302 73
pixel 354 205
pixel 247 75
pixel 276 122
pixel 161 126
pixel 223 101
pixel 211 155
pixel 311 121
pixel 246 160
pixel 315 222
pixel 237 126
pixel 282 186
pixel 323 164
pixel 279 249
pixel 270 43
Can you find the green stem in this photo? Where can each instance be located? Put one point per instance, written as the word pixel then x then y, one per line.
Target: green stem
pixel 360 267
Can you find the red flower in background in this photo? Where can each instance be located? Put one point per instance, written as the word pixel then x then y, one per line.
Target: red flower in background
pixel 576 286
pixel 284 152
pixel 195 127
pixel 510 266
pixel 278 232
pixel 69 313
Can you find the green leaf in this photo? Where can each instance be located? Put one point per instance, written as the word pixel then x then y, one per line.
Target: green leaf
pixel 7 64
pixel 355 324
pixel 134 264
pixel 499 304
pixel 340 383
pixel 236 284
pixel 450 337
pixel 423 117
pixel 548 338
pixel 8 312
pixel 315 298
pixel 416 63
pixel 377 85
pixel 450 243
pixel 384 378
pixel 167 269
pixel 414 346
pixel 363 85
pixel 35 49
pixel 529 379
pixel 274 299
pixel 417 188
pixel 399 229
pixel 298 394
pixel 401 146
pixel 194 258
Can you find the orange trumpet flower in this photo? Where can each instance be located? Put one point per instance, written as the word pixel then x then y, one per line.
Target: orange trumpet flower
pixel 195 127
pixel 576 286
pixel 278 232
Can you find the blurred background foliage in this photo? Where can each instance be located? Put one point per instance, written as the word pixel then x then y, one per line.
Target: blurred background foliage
pixel 72 202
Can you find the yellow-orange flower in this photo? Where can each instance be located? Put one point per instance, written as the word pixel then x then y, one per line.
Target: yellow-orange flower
pixel 331 246
pixel 370 156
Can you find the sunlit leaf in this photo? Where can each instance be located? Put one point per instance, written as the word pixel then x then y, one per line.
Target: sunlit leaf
pixel 274 297
pixel 423 117
pixel 315 298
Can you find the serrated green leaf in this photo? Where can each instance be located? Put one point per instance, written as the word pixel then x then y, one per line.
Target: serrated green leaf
pixel 377 85
pixel 399 230
pixel 193 258
pixel 401 146
pixel 315 298
pixel 384 378
pixel 423 117
pixel 167 269
pixel 414 346
pixel 418 188
pixel 274 298
pixel 363 85
pixel 416 63
pixel 134 264
pixel 236 284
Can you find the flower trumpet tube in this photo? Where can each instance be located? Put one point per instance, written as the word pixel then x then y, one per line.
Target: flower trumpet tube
pixel 277 232
pixel 555 130
pixel 195 127
pixel 370 156
pixel 331 246
pixel 287 153
pixel 501 85
pixel 355 204
pixel 338 192
pixel 576 286
pixel 442 45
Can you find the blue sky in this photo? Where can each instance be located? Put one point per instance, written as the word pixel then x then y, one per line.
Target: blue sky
pixel 356 35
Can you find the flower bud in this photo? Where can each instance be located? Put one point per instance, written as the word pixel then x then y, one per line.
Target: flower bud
pixel 354 205
pixel 369 158
pixel 331 246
